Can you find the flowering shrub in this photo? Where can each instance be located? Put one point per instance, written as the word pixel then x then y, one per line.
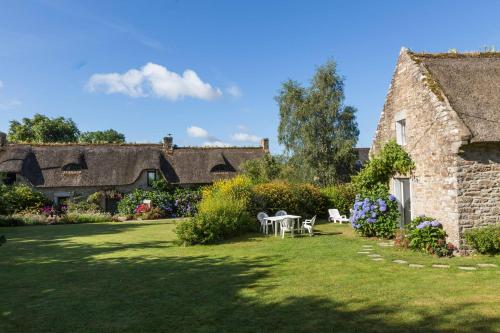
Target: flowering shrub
pixel 426 234
pixel 376 217
pixel 18 198
pixel 142 208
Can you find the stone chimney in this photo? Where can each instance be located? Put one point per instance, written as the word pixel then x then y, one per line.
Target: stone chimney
pixel 264 143
pixel 168 144
pixel 3 139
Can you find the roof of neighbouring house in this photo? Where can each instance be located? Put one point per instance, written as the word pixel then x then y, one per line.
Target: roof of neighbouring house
pixel 471 83
pixel 363 154
pixel 120 164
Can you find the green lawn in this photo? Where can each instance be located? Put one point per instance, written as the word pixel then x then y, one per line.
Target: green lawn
pixel 131 277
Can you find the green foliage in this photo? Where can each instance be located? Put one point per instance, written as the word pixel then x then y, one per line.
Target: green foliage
pixel 80 205
pixel 301 199
pixel 222 213
pixel 3 240
pixel 264 169
pixel 427 235
pixel 19 198
pixel 380 169
pixel 42 129
pixel 76 218
pixel 130 201
pixel 217 219
pixel 340 196
pixel 108 136
pixel 376 215
pixel 485 240
pixel 317 129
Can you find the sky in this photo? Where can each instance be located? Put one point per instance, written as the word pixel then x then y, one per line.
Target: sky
pixel 207 71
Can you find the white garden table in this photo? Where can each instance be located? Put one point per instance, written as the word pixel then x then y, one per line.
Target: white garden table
pixel 277 219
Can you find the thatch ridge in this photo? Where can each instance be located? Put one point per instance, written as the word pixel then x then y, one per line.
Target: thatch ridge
pixel 471 84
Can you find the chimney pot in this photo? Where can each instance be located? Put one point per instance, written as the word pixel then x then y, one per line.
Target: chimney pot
pixel 168 144
pixel 3 139
pixel 264 143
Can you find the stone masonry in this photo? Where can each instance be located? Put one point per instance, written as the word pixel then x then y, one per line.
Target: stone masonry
pixel 459 190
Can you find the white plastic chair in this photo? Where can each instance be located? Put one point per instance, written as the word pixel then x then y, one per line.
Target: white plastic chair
pixel 264 224
pixel 308 225
pixel 280 213
pixel 336 217
pixel 286 225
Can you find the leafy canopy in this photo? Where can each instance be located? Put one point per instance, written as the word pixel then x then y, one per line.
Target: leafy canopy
pixel 108 136
pixel 317 129
pixel 42 129
pixel 375 175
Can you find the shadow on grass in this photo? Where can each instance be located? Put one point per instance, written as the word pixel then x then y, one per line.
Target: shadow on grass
pixel 62 287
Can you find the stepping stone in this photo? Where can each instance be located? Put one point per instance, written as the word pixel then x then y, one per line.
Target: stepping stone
pixel 374 255
pixel 377 259
pixel 398 261
pixel 367 247
pixel 466 268
pixel 416 265
pixel 486 265
pixel 440 266
pixel 363 252
pixel 385 244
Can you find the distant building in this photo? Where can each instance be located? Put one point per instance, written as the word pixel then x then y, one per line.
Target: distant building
pixel 61 171
pixel 444 109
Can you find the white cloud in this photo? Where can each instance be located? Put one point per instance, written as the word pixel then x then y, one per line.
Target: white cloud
pixel 154 80
pixel 245 137
pixel 197 132
pixel 234 91
pixel 211 141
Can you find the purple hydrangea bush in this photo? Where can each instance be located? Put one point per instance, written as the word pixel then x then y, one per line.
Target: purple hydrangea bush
pixel 427 234
pixel 376 216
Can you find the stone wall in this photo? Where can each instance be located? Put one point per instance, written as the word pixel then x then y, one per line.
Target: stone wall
pixel 478 177
pixel 433 136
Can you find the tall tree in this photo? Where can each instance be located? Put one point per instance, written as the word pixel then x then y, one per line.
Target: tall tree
pixel 317 130
pixel 42 129
pixel 108 136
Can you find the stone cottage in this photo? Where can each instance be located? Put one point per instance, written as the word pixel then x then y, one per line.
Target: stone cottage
pixel 61 171
pixel 444 109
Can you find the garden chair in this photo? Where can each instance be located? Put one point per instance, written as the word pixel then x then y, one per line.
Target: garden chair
pixel 286 225
pixel 264 224
pixel 308 225
pixel 336 217
pixel 280 213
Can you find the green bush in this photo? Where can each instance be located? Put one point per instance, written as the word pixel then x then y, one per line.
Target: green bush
pixel 78 205
pixel 217 219
pixel 18 198
pixel 427 235
pixel 485 240
pixel 222 213
pixel 77 218
pixel 301 199
pixel 11 221
pixel 340 196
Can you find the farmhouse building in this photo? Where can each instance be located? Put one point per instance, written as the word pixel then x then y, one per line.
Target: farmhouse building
pixel 61 171
pixel 444 110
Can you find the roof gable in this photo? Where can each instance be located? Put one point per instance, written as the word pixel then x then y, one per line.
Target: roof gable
pixel 471 84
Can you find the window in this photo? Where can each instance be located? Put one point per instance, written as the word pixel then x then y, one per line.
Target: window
pixel 401 132
pixel 151 177
pixel 8 178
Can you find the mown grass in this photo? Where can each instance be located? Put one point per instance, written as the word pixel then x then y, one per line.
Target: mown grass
pixel 131 277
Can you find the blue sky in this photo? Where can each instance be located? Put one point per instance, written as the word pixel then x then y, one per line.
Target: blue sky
pixel 208 71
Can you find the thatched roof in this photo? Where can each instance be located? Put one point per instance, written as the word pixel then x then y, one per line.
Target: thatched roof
pixel 471 83
pixel 112 165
